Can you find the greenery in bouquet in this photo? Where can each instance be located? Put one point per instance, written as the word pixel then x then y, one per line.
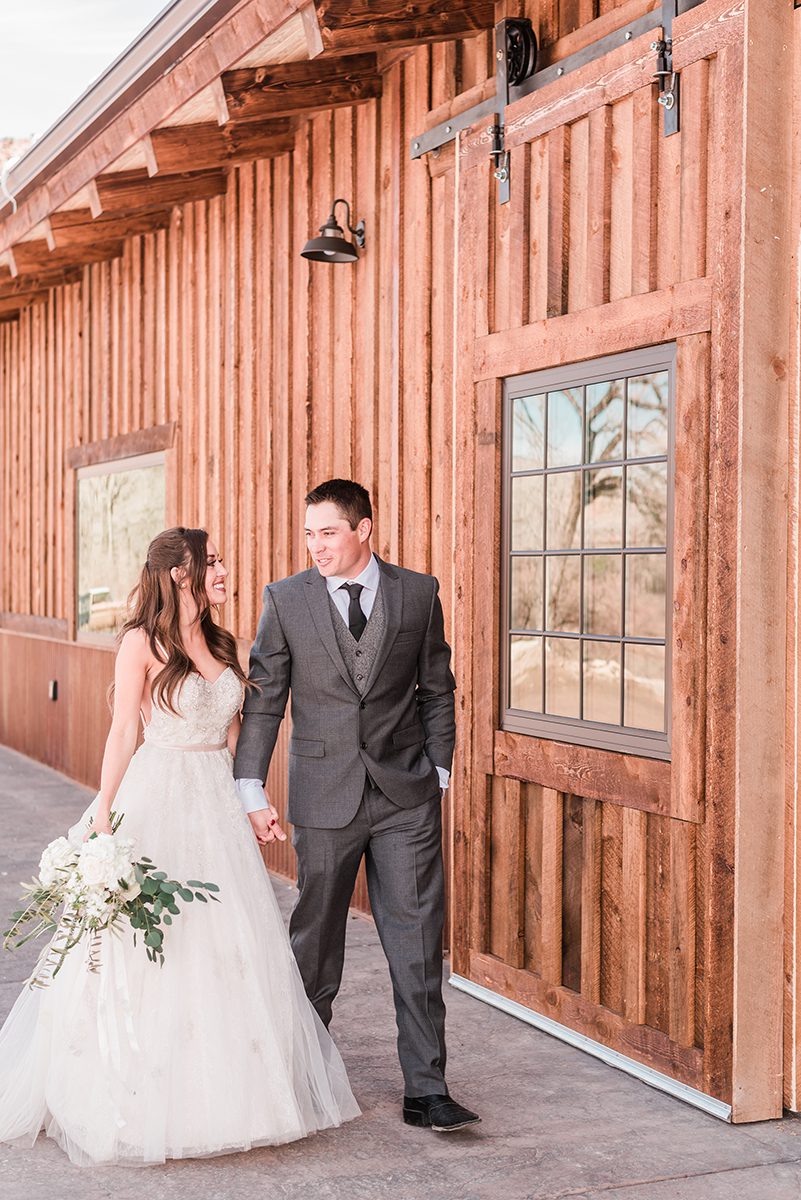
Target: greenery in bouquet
pixel 83 889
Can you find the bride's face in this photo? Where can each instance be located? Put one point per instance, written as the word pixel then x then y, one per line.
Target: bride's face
pixel 216 575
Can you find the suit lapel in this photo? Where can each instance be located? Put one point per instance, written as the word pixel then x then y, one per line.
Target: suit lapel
pixel 320 606
pixel 392 592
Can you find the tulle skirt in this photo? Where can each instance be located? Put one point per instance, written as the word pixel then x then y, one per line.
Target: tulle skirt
pixel 217 1050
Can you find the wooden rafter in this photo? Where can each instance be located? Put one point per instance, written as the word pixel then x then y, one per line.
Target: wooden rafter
pixel 182 148
pixel 268 92
pixel 347 27
pixel 40 281
pixel 135 191
pixel 35 257
pixel 71 233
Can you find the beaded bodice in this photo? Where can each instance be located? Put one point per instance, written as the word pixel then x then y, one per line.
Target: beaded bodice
pixel 204 712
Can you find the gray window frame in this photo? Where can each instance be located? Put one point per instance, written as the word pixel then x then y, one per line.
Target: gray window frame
pixel 623 739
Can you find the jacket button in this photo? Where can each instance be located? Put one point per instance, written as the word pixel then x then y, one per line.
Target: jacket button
pixel 362 704
pixel 364 745
pixel 358 653
pixel 360 677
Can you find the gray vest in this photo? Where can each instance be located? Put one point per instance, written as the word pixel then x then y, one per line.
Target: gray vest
pixel 360 656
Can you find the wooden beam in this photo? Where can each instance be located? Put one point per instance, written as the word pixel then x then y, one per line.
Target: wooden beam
pixel 135 191
pixel 301 87
pixel 14 304
pixel 625 779
pixel 184 147
pixel 76 234
pixel 33 257
pixel 347 27
pixel 248 25
pixel 760 309
pixel 683 308
pixel 44 279
pixel 219 101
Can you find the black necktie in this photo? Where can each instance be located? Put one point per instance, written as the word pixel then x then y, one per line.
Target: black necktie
pixel 356 618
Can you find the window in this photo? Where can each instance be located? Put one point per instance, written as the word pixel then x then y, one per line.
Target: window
pixel 121 507
pixel 587 453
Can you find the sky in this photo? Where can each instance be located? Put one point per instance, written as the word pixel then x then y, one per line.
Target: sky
pixel 52 50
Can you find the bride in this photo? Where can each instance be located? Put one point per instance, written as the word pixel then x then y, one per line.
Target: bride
pixel 219 1049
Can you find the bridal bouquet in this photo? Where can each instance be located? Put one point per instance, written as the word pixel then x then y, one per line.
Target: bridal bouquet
pixel 94 886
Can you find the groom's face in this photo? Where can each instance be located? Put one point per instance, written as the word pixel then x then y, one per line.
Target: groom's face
pixel 336 549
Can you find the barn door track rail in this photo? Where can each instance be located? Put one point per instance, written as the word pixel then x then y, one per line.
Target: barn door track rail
pixel 516 76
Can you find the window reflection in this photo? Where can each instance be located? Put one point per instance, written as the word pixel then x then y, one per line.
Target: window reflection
pixel 527 512
pixel 562 676
pixel 648 415
pixel 603 594
pixel 603 512
pixel 564 582
pixel 644 687
pixel 602 682
pixel 525 663
pixel 605 420
pixel 564 510
pixel 646 504
pixel 526 593
pixel 564 428
pixel 528 433
pixel 119 514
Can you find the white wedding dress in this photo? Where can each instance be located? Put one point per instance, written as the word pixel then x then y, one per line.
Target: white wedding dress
pixel 218 1050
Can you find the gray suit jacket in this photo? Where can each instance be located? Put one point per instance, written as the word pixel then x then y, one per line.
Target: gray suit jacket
pixel 397 729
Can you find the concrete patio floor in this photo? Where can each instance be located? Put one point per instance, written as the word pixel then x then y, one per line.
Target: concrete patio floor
pixel 556 1123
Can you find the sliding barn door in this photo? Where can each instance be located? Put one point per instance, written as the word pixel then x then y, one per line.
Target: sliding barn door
pixel 595 506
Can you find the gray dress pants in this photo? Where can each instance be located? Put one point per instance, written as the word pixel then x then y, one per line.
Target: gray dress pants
pixel 402 849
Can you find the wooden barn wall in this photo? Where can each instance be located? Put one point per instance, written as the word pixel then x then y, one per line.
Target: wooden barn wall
pixel 611 916
pixel 278 373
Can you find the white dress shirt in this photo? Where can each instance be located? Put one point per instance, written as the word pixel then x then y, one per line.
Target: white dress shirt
pixel 251 791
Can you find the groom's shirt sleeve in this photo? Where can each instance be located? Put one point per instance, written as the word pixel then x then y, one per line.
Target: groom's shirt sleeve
pixel 251 795
pixel 265 703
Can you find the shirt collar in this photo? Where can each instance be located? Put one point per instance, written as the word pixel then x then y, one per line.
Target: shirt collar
pixel 369 578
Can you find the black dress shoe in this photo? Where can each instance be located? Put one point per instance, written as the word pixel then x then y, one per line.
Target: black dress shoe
pixel 437 1112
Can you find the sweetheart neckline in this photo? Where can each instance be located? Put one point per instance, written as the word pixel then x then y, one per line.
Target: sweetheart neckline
pixel 211 682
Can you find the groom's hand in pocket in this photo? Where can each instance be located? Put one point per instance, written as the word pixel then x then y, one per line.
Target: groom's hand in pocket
pixel 266 826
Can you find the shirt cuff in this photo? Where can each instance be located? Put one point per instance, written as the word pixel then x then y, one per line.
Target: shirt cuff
pixel 444 778
pixel 251 795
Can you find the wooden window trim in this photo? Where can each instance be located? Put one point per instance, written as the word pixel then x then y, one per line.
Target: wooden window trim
pixel 153 440
pixel 575 731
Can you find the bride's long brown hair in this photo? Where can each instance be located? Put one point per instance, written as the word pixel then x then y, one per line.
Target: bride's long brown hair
pixel 155 608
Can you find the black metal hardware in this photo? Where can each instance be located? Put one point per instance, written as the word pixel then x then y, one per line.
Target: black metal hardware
pixel 521 50
pixel 516 76
pixel 668 79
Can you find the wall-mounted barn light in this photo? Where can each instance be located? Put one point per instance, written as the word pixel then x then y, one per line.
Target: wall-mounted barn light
pixel 332 246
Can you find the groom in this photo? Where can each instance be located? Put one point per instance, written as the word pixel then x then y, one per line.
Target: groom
pixel 361 646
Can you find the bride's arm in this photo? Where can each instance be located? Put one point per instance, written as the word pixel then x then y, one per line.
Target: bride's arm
pixel 233 733
pixel 130 671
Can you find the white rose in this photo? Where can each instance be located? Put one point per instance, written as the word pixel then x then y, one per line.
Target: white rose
pixel 93 871
pixel 56 857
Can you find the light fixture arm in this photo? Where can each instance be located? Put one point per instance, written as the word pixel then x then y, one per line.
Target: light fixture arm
pixel 358 231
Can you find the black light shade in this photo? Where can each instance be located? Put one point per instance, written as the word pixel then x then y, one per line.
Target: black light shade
pixel 332 246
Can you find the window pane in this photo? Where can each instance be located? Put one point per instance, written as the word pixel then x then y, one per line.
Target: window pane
pixel 562 676
pixel 528 433
pixel 646 505
pixel 563 573
pixel 525 673
pixel 564 510
pixel 603 507
pixel 603 594
pixel 526 593
pixel 602 682
pixel 118 516
pixel 644 698
pixel 645 595
pixel 605 420
pixel 564 428
pixel 648 415
pixel 527 512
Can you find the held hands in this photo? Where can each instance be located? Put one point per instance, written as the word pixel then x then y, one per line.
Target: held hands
pixel 265 825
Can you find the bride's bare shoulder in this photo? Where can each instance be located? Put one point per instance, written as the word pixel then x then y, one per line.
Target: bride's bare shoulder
pixel 135 648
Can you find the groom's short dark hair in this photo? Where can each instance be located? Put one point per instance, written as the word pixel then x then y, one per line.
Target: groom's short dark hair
pixel 352 500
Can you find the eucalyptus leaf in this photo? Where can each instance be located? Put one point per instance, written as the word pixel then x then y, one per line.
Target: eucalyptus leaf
pixel 211 887
pixel 167 919
pixel 200 896
pixel 184 893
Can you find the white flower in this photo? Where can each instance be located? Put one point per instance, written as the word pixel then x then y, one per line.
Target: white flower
pixel 105 860
pixel 57 857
